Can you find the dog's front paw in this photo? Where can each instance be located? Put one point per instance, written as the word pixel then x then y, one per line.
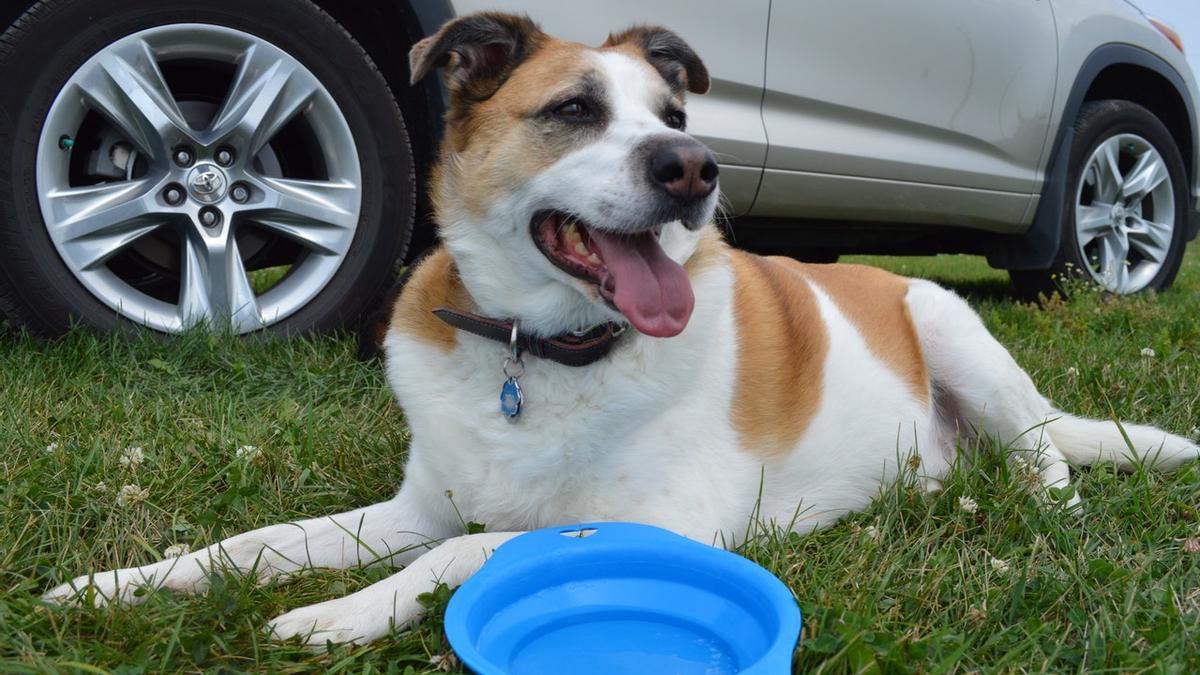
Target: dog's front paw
pixel 339 621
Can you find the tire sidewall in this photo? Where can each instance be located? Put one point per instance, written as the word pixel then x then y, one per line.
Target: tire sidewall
pixel 1108 119
pixel 38 66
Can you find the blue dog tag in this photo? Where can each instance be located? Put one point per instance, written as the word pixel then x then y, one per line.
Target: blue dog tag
pixel 511 398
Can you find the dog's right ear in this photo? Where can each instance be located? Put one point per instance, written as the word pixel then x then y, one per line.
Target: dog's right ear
pixel 477 51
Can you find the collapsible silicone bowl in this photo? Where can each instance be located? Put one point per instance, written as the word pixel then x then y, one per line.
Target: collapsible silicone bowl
pixel 621 598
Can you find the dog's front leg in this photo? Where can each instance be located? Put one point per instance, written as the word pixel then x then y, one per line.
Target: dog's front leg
pixel 368 614
pixel 392 532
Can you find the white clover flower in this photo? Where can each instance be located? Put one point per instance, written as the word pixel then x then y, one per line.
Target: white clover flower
pixel 1148 352
pixel 100 487
pixel 976 615
pixel 445 663
pixel 248 452
pixel 1191 545
pixel 132 458
pixel 1072 373
pixel 999 565
pixel 51 448
pixel 870 531
pixel 131 494
pixel 967 504
pixel 1026 474
pixel 175 551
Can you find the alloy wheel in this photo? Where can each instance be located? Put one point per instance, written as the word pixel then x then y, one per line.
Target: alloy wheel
pixel 193 173
pixel 1125 213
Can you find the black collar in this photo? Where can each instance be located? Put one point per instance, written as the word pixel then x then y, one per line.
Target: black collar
pixel 569 349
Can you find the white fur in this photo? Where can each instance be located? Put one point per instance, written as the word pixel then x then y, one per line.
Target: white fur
pixel 644 435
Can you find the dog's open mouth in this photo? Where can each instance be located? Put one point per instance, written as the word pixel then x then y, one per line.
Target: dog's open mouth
pixel 632 271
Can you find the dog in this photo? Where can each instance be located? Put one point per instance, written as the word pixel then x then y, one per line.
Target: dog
pixel 584 346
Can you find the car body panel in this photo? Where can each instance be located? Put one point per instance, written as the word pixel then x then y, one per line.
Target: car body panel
pixel 728 117
pixel 833 198
pixel 928 94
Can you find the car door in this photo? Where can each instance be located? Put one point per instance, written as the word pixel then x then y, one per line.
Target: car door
pixel 922 111
pixel 731 39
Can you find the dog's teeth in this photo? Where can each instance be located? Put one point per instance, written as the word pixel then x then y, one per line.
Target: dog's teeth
pixel 594 259
pixel 581 249
pixel 573 233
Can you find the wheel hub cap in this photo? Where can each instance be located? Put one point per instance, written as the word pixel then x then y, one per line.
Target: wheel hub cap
pixel 207 183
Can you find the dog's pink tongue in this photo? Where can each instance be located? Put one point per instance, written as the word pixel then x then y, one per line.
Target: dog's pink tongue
pixel 650 289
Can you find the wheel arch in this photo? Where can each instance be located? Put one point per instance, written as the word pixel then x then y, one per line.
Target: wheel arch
pixel 1152 90
pixel 386 31
pixel 1105 73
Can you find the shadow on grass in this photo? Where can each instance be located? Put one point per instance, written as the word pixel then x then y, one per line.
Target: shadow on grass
pixel 980 290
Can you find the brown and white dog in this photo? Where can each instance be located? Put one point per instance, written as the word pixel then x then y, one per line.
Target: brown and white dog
pixel 569 196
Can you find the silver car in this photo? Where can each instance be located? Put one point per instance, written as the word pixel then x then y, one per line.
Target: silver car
pixel 260 165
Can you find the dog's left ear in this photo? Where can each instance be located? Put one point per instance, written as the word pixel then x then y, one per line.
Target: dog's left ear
pixel 478 52
pixel 669 54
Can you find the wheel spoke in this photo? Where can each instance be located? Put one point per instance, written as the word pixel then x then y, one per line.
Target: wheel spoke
pixel 1114 251
pixel 128 88
pixel 1147 174
pixel 1108 169
pixel 1091 221
pixel 319 214
pixel 214 286
pixel 267 92
pixel 1150 238
pixel 91 224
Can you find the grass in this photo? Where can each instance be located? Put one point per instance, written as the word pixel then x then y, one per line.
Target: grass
pixel 910 585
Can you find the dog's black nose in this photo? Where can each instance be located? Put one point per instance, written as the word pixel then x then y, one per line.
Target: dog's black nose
pixel 684 168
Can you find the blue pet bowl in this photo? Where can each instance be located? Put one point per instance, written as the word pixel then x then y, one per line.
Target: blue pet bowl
pixel 621 598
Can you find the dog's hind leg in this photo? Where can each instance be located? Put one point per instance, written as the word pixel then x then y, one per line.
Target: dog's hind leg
pixel 368 614
pixel 990 393
pixel 392 532
pixel 996 397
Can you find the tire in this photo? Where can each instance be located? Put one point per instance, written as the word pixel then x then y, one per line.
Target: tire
pixel 1103 208
pixel 317 211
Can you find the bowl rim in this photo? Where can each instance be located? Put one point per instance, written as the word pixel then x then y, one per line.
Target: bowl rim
pixel 551 545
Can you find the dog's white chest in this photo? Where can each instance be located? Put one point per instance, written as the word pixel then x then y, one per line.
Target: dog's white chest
pixel 602 441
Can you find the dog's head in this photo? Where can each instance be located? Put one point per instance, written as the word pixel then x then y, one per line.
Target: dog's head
pixel 568 188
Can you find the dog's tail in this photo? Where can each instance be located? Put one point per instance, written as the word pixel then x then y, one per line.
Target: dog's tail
pixel 1085 442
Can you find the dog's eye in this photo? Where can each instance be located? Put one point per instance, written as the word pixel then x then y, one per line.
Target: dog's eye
pixel 575 110
pixel 675 119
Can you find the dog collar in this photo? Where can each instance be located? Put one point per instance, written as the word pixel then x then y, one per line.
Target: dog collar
pixel 569 349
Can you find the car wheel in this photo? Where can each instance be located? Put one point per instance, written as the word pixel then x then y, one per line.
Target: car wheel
pixel 173 163
pixel 1125 218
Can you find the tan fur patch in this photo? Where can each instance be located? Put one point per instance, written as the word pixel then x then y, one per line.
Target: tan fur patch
pixel 711 249
pixel 629 49
pixel 490 146
pixel 873 300
pixel 435 283
pixel 782 345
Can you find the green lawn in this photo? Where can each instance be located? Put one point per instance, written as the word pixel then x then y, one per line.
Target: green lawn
pixel 910 585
